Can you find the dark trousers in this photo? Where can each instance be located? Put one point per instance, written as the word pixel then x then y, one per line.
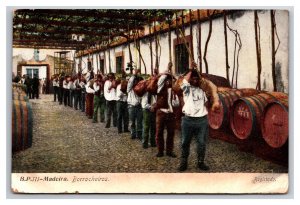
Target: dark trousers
pixel 60 95
pixel 71 98
pixel 35 93
pixel 99 103
pixel 148 127
pixel 89 105
pixel 66 97
pixel 82 101
pixel 77 94
pixel 165 120
pixel 123 117
pixel 136 118
pixel 56 95
pixel 29 93
pixel 111 111
pixel 194 127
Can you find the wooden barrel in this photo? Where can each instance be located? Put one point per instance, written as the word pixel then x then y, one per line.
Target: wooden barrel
pixel 217 80
pixel 246 114
pixel 275 121
pixel 21 125
pixel 140 88
pixel 227 96
pixel 19 96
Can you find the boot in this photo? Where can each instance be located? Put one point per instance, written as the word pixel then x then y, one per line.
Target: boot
pixel 183 165
pixel 203 166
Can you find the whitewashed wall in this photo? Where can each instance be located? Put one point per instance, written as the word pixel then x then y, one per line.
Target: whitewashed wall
pixel 244 24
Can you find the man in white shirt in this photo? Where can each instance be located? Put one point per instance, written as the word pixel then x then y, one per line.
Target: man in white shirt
pixel 89 98
pixel 71 91
pixel 110 97
pixel 77 91
pixel 148 105
pixel 82 85
pixel 66 91
pixel 55 84
pixel 134 107
pixel 122 110
pixel 194 122
pixel 99 100
pixel 165 117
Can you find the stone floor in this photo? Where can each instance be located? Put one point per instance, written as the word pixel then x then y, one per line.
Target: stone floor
pixel 64 140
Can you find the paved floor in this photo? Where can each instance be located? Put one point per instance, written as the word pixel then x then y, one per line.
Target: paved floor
pixel 64 140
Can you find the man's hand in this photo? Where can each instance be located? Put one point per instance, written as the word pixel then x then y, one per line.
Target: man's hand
pixel 215 106
pixel 194 64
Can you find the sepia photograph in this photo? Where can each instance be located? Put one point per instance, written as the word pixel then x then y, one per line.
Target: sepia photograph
pixel 165 101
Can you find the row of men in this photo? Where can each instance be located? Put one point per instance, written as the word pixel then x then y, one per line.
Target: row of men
pixel 32 85
pixel 149 114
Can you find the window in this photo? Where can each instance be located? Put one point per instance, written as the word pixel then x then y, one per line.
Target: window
pixel 31 72
pixel 102 65
pixel 119 64
pixel 181 58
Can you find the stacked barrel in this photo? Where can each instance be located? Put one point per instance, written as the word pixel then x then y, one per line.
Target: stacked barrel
pixel 21 119
pixel 257 120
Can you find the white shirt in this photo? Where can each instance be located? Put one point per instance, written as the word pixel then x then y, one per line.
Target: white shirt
pixel 194 99
pixel 120 95
pixel 65 84
pixel 97 87
pixel 76 83
pixel 145 104
pixel 88 88
pixel 71 85
pixel 132 99
pixel 82 84
pixel 55 83
pixel 109 94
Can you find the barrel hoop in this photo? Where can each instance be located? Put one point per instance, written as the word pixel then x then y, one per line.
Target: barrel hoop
pixel 228 97
pixel 14 128
pixel 30 123
pixel 258 102
pixel 224 107
pixel 18 125
pixel 253 117
pixel 25 124
pixel 231 94
pixel 269 94
pixel 22 127
pixel 278 102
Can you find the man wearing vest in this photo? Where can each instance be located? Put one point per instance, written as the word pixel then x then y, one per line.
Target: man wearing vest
pixel 99 101
pixel 82 85
pixel 165 116
pixel 135 108
pixel 71 87
pixel 194 122
pixel 66 91
pixel 122 110
pixel 61 89
pixel 110 97
pixel 56 88
pixel 77 92
pixel 148 105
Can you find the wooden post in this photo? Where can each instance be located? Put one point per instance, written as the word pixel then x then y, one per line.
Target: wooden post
pixel 273 48
pixel 258 50
pixel 199 39
pixel 207 41
pixel 226 46
pixel 191 34
pixel 151 56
